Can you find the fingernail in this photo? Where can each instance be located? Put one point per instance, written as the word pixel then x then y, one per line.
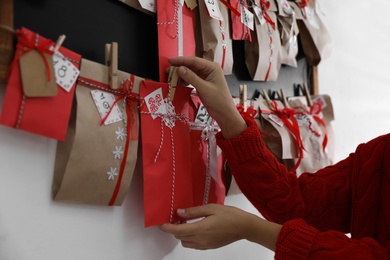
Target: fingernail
pixel 182 71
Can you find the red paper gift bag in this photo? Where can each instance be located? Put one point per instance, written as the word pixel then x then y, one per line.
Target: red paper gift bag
pixel 49 115
pixel 165 152
pixel 207 159
pixel 176 35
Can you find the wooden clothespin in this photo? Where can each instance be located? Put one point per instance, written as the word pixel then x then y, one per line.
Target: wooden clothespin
pixel 267 99
pixel 173 79
pixel 243 95
pixel 112 63
pixel 307 94
pixel 59 42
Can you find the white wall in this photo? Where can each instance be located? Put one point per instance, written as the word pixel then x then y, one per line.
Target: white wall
pixel 34 227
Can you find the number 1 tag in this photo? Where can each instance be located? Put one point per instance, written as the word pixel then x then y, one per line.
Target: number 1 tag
pixel 213 8
pixel 66 73
pixel 202 117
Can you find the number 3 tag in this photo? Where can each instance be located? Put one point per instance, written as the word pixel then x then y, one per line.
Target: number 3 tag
pixel 66 73
pixel 202 117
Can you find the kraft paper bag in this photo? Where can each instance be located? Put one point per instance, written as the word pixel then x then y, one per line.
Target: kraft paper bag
pixel 166 151
pixel 40 87
pixel 262 55
pixel 314 36
pixel 316 131
pixel 95 164
pixel 214 41
pixel 289 31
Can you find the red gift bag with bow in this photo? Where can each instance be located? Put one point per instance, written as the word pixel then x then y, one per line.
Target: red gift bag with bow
pixel 176 37
pixel 166 151
pixel 42 109
pixel 207 159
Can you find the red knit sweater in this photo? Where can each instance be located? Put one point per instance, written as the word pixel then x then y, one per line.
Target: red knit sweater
pixel 352 196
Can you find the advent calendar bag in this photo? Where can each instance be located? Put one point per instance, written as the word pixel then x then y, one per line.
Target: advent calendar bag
pixel 40 87
pixel 96 162
pixel 315 37
pixel 207 159
pixel 240 18
pixel 166 153
pixel 214 41
pixel 262 55
pixel 176 36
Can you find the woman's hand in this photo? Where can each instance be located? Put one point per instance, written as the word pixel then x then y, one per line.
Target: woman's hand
pixel 208 79
pixel 220 226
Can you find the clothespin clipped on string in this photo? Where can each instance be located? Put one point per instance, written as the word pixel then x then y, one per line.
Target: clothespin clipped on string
pixel 59 42
pixel 267 99
pixel 173 79
pixel 243 95
pixel 111 54
pixel 305 92
pixel 280 96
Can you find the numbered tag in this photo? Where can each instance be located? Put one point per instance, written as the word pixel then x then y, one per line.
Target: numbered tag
pixel 247 18
pixel 155 103
pixel 202 117
pixel 276 119
pixel 259 14
pixel 65 72
pixel 213 8
pixel 103 102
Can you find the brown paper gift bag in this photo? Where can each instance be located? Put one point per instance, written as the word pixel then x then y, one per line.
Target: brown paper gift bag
pixel 314 36
pixel 213 37
pixel 91 165
pixel 289 31
pixel 262 55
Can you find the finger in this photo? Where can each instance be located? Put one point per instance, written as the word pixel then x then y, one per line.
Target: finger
pixel 179 229
pixel 192 78
pixel 197 212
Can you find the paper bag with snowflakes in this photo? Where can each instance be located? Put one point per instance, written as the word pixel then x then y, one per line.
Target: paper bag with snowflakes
pixel 40 86
pixel 207 159
pixel 262 55
pixel 165 151
pixel 213 37
pixel 314 36
pixel 176 37
pixel 96 162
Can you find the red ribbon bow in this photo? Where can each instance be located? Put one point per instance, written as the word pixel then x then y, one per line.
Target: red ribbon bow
pixel 249 112
pixel 265 5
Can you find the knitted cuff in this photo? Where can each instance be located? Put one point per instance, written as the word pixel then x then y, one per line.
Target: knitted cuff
pixel 243 147
pixel 295 240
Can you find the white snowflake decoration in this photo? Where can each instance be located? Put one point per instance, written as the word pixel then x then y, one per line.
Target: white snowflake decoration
pixel 112 173
pixel 117 152
pixel 120 133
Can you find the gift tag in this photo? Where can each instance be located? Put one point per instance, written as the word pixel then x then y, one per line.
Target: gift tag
pixel 149 5
pixel 104 101
pixel 247 18
pixel 259 14
pixel 287 9
pixel 213 8
pixel 320 101
pixel 35 75
pixel 276 119
pixel 66 73
pixel 202 117
pixel 155 104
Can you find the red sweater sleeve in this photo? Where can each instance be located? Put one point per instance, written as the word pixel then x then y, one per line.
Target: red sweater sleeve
pixel 297 240
pixel 279 195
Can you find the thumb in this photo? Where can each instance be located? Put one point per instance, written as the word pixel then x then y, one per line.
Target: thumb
pixel 196 212
pixel 191 78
